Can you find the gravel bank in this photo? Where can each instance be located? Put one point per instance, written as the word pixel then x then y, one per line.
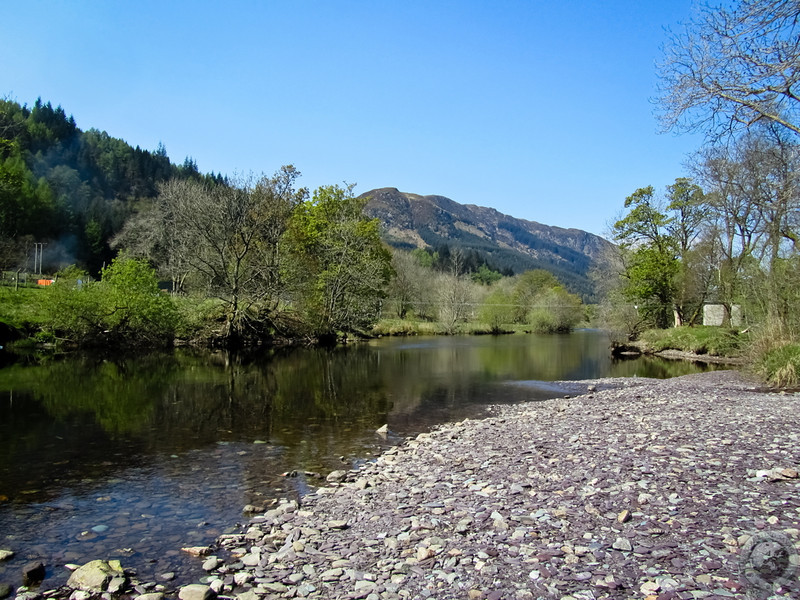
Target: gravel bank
pixel 631 488
pixel 634 489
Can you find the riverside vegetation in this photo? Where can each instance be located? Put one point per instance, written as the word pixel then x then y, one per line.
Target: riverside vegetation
pixel 256 259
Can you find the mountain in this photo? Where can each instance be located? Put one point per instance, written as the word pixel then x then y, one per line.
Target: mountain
pixel 412 221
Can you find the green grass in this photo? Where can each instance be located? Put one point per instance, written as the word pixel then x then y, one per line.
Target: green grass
pixel 198 318
pixel 714 341
pixel 21 308
pixel 780 367
pixel 414 327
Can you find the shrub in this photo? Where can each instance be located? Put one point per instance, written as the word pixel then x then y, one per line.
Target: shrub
pixel 555 311
pixel 137 309
pixel 125 306
pixel 497 311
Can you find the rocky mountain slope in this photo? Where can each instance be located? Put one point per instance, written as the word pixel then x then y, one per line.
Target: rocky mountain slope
pixel 414 221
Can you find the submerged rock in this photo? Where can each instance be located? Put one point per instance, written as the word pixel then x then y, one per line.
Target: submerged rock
pixel 150 596
pixel 33 572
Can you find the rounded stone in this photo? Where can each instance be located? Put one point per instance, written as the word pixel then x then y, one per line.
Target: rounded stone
pixel 196 591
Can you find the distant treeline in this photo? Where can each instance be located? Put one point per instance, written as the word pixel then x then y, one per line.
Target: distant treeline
pixel 478 253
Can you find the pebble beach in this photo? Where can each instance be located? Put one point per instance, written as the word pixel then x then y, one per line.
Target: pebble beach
pixel 630 488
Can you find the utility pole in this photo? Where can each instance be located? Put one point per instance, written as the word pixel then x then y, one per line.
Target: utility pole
pixel 38 251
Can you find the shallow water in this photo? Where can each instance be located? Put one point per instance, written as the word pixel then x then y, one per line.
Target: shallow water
pixel 134 458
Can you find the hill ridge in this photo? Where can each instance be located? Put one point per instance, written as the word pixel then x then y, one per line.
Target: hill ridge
pixel 410 220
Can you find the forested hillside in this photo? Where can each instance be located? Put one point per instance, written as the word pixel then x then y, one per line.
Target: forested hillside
pixel 69 189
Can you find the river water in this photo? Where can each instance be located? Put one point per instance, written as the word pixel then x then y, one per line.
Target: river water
pixel 133 458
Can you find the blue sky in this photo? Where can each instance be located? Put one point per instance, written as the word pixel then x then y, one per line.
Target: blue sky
pixel 542 110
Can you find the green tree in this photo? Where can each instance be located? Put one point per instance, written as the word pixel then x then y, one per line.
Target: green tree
pixel 688 214
pixel 649 255
pixel 555 311
pixel 339 267
pixel 25 203
pixel 136 308
pixel 485 276
pixel 497 309
pixel 425 258
pixel 527 287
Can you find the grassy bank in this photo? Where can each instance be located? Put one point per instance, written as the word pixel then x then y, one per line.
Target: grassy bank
pixel 415 327
pixel 780 366
pixel 774 359
pixel 21 308
pixel 713 341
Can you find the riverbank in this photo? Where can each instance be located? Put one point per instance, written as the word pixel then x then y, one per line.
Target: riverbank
pixel 634 488
pixel 733 361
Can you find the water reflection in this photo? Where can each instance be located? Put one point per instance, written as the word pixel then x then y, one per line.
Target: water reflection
pixel 132 458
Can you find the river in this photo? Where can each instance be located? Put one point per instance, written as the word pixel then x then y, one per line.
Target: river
pixel 135 457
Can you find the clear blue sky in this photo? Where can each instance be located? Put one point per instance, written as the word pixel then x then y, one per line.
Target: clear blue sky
pixel 542 110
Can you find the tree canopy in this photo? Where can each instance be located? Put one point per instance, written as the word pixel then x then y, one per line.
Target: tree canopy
pixel 339 268
pixel 226 236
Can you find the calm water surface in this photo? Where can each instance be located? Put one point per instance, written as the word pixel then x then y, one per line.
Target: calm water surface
pixel 134 458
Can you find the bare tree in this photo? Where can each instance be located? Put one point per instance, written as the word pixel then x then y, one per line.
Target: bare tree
pixel 229 235
pixel 755 202
pixel 456 293
pixel 407 284
pixel 153 233
pixel 733 67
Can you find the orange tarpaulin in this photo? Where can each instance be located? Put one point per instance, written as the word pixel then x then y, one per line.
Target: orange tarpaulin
pixel 45 281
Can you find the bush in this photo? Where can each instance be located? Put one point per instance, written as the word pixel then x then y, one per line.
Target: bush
pixel 555 311
pixel 199 318
pixel 126 306
pixel 497 311
pixel 138 310
pixel 543 321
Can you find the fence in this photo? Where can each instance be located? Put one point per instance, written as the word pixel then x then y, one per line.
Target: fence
pixel 29 280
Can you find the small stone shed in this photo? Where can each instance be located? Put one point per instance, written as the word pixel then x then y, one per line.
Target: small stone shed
pixel 714 315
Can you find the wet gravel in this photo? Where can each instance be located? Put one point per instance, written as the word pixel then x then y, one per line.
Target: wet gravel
pixel 631 488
